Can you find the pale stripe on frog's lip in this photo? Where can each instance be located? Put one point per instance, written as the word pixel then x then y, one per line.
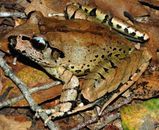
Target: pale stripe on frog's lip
pixel 74 11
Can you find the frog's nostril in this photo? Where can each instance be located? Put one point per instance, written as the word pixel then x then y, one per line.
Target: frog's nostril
pixel 12 40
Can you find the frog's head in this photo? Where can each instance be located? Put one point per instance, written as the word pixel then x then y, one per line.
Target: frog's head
pixel 28 40
pixel 35 48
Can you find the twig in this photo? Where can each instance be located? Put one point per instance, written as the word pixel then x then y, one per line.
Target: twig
pixel 13 14
pixel 107 120
pixel 12 101
pixel 113 107
pixel 33 105
pixel 11 5
pixel 80 126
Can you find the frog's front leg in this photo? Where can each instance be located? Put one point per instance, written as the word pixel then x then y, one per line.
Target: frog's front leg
pixel 46 57
pixel 69 91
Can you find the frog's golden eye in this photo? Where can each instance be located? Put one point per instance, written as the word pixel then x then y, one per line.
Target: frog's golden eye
pixel 39 43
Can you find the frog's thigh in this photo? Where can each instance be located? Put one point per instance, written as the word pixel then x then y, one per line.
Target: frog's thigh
pixel 101 76
pixel 124 70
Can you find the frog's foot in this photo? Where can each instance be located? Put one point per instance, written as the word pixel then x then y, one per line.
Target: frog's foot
pixel 58 111
pixel 55 112
pixel 52 114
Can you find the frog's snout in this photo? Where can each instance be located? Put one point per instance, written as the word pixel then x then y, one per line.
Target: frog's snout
pixel 12 41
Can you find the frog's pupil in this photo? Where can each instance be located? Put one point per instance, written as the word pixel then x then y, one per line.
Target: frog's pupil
pixel 38 43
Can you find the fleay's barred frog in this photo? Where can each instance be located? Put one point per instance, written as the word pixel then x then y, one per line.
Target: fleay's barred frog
pixel 70 50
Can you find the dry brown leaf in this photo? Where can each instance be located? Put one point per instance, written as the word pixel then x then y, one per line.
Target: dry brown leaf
pixel 146 87
pixel 46 6
pixel 34 78
pixel 111 127
pixel 152 3
pixel 152 44
pixel 3 44
pixel 50 6
pixel 117 7
pixel 9 123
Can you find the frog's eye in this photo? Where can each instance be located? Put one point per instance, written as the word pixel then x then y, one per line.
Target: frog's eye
pixel 39 43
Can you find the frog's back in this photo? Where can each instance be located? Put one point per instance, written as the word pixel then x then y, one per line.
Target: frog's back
pixel 83 51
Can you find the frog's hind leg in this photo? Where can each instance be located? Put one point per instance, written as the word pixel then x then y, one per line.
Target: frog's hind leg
pixel 77 11
pixel 125 86
pixel 112 77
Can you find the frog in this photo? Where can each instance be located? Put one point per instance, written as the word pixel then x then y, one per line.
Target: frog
pixel 108 63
